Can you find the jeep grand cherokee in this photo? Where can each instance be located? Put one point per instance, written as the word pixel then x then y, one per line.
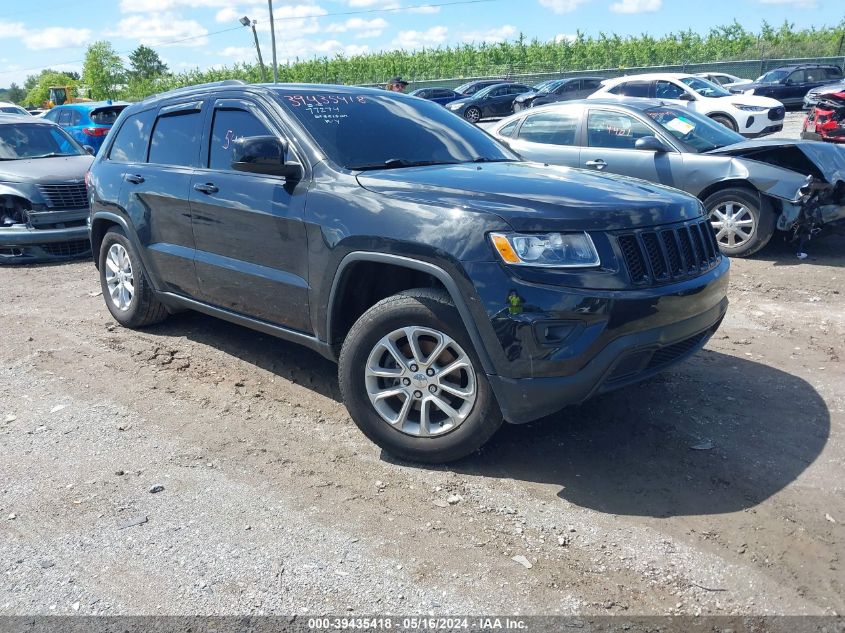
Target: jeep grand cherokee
pixel 456 284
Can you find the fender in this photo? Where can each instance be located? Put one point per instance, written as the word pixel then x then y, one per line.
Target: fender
pixel 438 273
pixel 100 217
pixel 6 190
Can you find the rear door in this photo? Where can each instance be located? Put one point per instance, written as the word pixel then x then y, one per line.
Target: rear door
pixel 156 194
pixel 250 238
pixel 550 137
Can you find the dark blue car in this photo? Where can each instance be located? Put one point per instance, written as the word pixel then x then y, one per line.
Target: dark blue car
pixel 89 122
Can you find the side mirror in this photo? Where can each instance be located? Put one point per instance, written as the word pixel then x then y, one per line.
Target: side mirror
pixel 685 96
pixel 264 155
pixel 650 144
pixel 90 150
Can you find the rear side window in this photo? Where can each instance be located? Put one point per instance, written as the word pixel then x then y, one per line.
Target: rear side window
pixel 509 128
pixel 592 84
pixel 631 89
pixel 176 139
pixel 228 126
pixel 130 145
pixel 64 117
pixel 833 73
pixel 550 128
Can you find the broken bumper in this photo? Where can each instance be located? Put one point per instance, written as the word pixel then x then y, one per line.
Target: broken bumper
pixel 23 244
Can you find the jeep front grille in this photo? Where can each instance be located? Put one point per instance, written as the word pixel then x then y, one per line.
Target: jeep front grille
pixel 65 196
pixel 669 254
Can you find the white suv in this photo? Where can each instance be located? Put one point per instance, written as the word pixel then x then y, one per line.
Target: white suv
pixel 749 115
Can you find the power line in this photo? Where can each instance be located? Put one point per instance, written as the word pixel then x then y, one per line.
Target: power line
pixel 410 7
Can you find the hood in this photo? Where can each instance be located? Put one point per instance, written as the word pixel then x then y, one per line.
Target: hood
pixel 752 100
pixel 822 160
pixel 536 197
pixel 527 95
pixel 43 170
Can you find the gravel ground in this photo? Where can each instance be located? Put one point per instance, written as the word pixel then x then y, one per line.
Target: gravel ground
pixel 715 488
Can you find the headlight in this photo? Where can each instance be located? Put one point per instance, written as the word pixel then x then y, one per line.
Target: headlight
pixel 549 250
pixel 454 105
pixel 749 108
pixel 750 91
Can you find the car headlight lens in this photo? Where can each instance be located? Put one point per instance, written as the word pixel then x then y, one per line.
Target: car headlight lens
pixel 750 91
pixel 749 108
pixel 549 250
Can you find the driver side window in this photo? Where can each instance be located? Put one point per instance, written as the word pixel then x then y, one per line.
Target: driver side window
pixel 230 125
pixel 667 90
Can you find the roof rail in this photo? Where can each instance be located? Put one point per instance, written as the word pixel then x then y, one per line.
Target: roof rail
pixel 213 84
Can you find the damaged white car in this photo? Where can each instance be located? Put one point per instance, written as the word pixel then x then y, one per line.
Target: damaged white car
pixel 750 188
pixel 43 197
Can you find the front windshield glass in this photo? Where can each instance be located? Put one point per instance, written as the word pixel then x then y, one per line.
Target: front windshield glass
pixel 773 76
pixel 32 140
pixel 694 130
pixel 365 130
pixel 705 88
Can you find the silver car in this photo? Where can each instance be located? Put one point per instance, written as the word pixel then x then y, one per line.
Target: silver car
pixel 749 188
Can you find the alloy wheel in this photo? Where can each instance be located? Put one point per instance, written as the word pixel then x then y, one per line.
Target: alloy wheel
pixel 119 277
pixel 420 381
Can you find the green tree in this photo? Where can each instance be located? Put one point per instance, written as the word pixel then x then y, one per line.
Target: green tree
pixel 144 63
pixel 103 70
pixel 15 94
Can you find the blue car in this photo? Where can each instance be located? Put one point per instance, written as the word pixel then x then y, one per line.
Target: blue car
pixel 437 94
pixel 88 122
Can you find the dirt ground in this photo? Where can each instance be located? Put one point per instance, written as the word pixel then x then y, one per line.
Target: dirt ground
pixel 715 488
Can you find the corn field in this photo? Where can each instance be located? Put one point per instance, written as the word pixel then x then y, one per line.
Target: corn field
pixel 523 57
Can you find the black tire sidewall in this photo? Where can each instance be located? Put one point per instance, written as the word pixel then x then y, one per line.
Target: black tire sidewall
pixel 130 317
pixel 404 311
pixel 721 119
pixel 764 218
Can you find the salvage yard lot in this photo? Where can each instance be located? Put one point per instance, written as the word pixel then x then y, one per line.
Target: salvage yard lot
pixel 714 488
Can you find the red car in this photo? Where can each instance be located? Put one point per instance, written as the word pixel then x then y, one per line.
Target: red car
pixel 826 121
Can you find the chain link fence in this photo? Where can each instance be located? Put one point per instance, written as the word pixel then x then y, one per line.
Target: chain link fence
pixel 746 69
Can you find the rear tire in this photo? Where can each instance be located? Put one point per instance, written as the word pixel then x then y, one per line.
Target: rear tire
pixel 727 121
pixel 411 424
pixel 743 220
pixel 126 289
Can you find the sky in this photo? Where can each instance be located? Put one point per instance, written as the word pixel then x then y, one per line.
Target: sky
pixel 206 33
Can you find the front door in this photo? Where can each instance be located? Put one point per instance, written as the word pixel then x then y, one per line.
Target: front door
pixel 251 243
pixel 610 148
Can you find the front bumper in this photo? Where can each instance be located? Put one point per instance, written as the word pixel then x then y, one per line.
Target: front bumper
pixel 563 345
pixel 22 244
pixel 771 129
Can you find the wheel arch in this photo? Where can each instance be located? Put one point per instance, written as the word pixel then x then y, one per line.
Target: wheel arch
pixel 710 115
pixel 338 324
pixel 100 224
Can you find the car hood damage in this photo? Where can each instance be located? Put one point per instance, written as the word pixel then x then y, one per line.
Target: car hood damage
pixel 815 195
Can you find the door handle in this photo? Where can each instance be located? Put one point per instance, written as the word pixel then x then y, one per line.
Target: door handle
pixel 135 179
pixel 206 188
pixel 598 164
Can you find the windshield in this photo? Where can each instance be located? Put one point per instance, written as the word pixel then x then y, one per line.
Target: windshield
pixel 364 130
pixel 773 76
pixel 33 140
pixel 705 88
pixel 695 130
pixel 551 86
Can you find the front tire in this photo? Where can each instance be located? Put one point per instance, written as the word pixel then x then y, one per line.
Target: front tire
pixel 727 121
pixel 472 114
pixel 743 220
pixel 412 382
pixel 126 290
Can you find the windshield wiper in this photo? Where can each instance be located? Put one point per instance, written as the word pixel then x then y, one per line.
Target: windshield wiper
pixel 483 159
pixel 52 155
pixel 396 163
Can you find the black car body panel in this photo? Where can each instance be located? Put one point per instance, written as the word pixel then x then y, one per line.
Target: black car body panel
pixel 492 101
pixel 794 84
pixel 562 90
pixel 284 256
pixel 43 204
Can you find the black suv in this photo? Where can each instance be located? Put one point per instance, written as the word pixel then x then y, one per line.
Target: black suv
pixel 455 283
pixel 789 84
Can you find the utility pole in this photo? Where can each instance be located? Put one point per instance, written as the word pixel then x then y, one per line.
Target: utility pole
pixel 247 22
pixel 273 41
